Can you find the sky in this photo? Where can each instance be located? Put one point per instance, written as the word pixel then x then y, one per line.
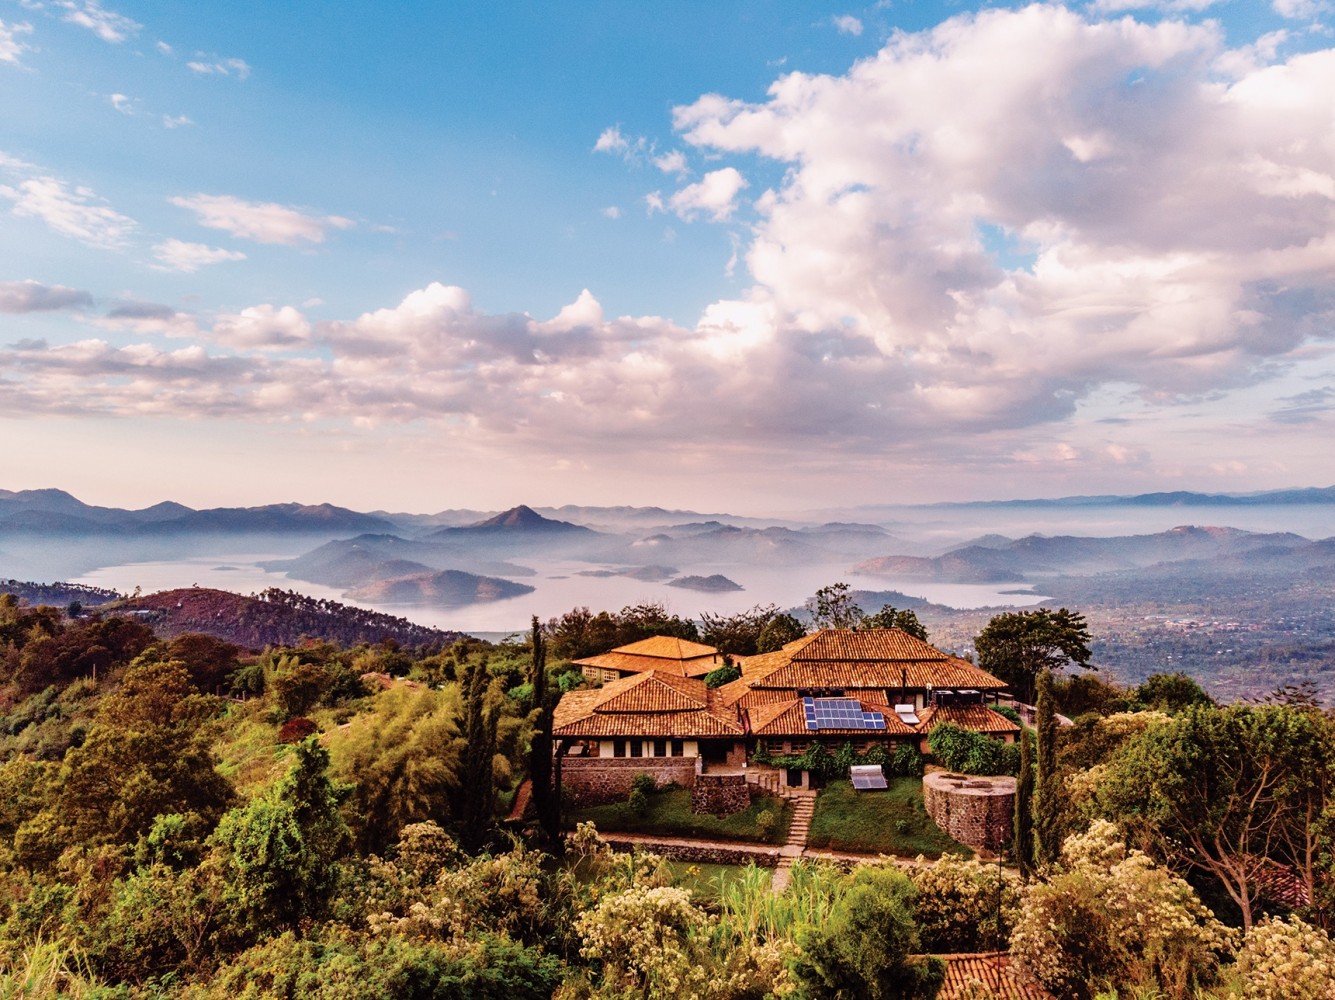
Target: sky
pixel 752 256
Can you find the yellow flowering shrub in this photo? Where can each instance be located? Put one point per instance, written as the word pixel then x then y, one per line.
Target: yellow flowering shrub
pixel 1287 960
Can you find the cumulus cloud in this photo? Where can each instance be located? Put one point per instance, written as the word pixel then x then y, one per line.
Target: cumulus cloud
pixel 176 121
pixel 10 46
pixel 263 327
pixel 107 25
pixel 121 103
pixel 1300 10
pixel 263 222
pixel 178 255
pixel 77 212
pixel 673 162
pixel 32 296
pixel 714 195
pixel 211 66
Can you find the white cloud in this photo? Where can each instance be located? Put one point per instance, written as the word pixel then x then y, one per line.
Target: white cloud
pixel 612 212
pixel 672 163
pixel 121 103
pixel 10 46
pixel 222 67
pixel 165 49
pixel 1300 10
pixel 176 121
pixel 263 327
pixel 177 255
pixel 847 24
pixel 76 213
pixel 107 25
pixel 263 222
pixel 611 141
pixel 715 195
pixel 32 296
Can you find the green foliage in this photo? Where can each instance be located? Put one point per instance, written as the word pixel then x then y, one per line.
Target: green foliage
pixel 1022 837
pixel 580 633
pixel 278 852
pixel 723 675
pixel 738 634
pixel 833 607
pixel 1287 960
pixel 904 620
pixel 1112 917
pixel 668 811
pixel 1007 712
pixel 865 948
pixel 1047 781
pixel 477 790
pixel 780 630
pixel 968 752
pixel 1171 693
pixel 964 905
pixel 1019 645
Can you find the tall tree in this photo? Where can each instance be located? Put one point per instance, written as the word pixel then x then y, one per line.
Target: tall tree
pixel 545 796
pixel 1225 791
pixel 1019 645
pixel 1023 840
pixel 476 773
pixel 1047 790
pixel 782 629
pixel 739 634
pixel 833 607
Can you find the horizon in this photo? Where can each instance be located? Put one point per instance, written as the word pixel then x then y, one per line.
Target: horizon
pixel 698 257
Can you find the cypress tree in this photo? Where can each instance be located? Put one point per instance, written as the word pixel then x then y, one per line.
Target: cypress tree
pixel 545 799
pixel 476 784
pixel 1024 807
pixel 1047 843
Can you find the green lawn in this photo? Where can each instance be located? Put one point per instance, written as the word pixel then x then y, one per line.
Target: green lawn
pixel 890 822
pixel 669 813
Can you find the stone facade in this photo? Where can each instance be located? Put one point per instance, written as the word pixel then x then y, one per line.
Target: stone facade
pixel 593 781
pixel 976 811
pixel 720 794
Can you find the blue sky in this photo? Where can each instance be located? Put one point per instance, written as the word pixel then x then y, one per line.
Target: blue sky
pixel 754 255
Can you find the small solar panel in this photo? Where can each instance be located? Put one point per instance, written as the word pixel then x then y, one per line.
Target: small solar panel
pixel 867 777
pixel 839 713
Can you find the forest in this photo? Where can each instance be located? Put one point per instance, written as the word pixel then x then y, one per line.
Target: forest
pixel 182 817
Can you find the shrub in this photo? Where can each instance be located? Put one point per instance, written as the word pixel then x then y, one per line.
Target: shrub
pixel 723 675
pixel 906 762
pixel 296 730
pixel 765 823
pixel 964 905
pixel 968 752
pixel 1006 712
pixel 1287 960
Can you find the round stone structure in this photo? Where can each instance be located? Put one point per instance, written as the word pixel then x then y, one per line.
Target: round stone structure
pixel 975 810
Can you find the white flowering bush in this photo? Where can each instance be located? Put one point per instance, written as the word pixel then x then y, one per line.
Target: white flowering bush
pixel 1110 918
pixel 1287 960
pixel 958 904
pixel 647 941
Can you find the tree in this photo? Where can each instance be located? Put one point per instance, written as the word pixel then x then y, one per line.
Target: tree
pixel 545 795
pixel 889 617
pixel 1047 781
pixel 833 607
pixel 278 852
pixel 1023 844
pixel 1171 693
pixel 865 948
pixel 1019 645
pixel 1227 791
pixel 739 634
pixel 476 769
pixel 778 632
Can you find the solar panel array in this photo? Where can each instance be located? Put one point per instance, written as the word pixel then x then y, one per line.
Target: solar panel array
pixel 839 713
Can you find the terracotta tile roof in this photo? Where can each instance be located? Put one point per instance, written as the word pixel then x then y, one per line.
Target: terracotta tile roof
pixel 987 975
pixel 786 718
pixel 744 697
pixel 652 704
pixel 979 718
pixel 941 673
pixel 659 652
pixel 667 647
pixel 881 644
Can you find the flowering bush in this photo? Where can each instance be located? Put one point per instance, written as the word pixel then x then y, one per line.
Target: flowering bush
pixel 1287 960
pixel 958 905
pixel 1112 917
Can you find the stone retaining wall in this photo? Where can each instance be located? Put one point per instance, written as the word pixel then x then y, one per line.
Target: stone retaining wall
pixel 976 811
pixel 764 856
pixel 594 781
pixel 720 794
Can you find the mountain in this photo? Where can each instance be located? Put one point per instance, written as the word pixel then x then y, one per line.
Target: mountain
pixel 356 562
pixel 1039 555
pixel 276 617
pixel 521 520
pixel 714 584
pixel 449 588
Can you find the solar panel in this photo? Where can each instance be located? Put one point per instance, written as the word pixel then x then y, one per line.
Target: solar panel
pixel 839 713
pixel 867 777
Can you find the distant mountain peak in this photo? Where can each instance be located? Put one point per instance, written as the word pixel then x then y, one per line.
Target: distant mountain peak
pixel 523 518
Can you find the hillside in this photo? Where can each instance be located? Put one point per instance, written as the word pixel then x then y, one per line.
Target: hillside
pixel 449 588
pixel 276 617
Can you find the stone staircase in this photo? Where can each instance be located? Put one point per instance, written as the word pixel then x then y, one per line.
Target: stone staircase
pixel 804 807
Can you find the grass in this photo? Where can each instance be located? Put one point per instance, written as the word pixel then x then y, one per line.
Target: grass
pixel 890 822
pixel 669 814
pixel 707 881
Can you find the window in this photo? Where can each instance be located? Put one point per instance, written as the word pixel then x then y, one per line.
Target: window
pixel 618 748
pixel 636 748
pixel 660 748
pixel 678 748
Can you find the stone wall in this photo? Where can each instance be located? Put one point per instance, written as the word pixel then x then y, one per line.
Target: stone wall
pixel 593 781
pixel 976 811
pixel 720 794
pixel 765 857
